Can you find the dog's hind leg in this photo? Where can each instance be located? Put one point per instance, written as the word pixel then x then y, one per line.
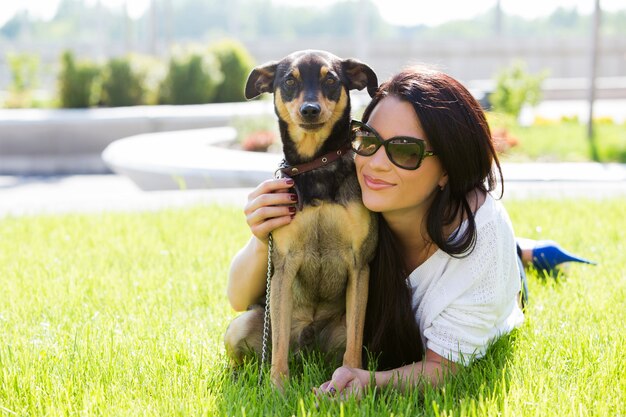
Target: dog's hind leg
pixel 244 336
pixel 332 339
pixel 306 340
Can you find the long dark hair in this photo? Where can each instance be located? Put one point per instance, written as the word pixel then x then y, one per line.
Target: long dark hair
pixel 457 130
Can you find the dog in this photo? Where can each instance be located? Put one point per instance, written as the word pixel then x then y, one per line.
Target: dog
pixel 318 292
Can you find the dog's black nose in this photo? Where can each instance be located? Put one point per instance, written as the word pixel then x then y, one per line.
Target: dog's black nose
pixel 310 111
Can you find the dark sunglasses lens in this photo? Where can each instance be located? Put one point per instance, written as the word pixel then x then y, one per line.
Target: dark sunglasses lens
pixel 405 153
pixel 364 142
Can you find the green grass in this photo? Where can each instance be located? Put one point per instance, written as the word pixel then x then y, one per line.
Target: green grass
pixel 568 142
pixel 123 315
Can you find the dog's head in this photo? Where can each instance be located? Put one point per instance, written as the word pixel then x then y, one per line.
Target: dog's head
pixel 311 93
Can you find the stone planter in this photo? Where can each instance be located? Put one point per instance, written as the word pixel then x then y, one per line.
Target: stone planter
pixel 190 159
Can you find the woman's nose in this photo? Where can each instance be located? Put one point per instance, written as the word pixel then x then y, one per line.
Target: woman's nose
pixel 380 160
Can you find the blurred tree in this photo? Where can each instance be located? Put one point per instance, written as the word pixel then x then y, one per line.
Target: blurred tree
pixel 194 19
pixel 515 87
pixel 192 78
pixel 235 63
pixel 14 26
pixel 614 24
pixel 25 71
pixel 564 18
pixel 77 82
pixel 122 85
pixel 24 68
pixel 204 19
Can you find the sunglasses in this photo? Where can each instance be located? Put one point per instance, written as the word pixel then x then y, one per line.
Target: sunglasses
pixel 403 151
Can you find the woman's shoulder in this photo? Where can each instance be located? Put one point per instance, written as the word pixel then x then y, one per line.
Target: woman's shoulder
pixel 491 211
pixel 476 199
pixel 489 214
pixel 494 232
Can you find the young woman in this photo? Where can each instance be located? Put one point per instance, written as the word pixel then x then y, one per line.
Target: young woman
pixel 445 281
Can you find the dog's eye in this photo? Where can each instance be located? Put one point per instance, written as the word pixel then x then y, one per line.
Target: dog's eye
pixel 330 81
pixel 290 82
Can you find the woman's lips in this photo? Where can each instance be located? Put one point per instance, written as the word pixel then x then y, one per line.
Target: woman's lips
pixel 376 184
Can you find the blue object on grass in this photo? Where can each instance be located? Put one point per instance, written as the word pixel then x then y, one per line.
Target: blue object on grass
pixel 548 254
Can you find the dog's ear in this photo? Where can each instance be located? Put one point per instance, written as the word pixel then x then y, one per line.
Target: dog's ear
pixel 359 76
pixel 261 80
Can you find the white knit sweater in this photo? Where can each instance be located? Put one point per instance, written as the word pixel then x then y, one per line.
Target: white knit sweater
pixel 463 304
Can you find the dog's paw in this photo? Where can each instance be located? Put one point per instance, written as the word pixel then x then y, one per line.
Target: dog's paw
pixel 279 379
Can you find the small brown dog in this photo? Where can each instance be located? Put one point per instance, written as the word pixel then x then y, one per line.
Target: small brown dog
pixel 318 292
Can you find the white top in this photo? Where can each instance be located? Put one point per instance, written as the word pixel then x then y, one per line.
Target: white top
pixel 463 304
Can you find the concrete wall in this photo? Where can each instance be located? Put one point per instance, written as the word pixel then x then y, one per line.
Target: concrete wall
pixel 467 60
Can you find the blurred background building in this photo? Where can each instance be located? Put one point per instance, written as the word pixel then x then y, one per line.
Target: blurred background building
pixel 470 40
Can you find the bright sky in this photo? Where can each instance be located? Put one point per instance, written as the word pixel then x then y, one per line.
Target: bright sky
pixel 406 12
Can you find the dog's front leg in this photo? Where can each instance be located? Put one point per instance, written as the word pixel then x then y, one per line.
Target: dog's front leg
pixel 356 303
pixel 281 307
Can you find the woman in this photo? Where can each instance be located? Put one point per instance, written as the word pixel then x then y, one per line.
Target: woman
pixel 446 256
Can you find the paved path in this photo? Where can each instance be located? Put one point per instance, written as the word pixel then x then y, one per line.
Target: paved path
pixel 93 193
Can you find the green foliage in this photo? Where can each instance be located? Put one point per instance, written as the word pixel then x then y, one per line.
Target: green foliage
pixel 257 133
pixel 122 84
pixel 24 72
pixel 514 88
pixel 235 63
pixel 78 82
pixel 192 78
pixel 154 71
pixel 24 68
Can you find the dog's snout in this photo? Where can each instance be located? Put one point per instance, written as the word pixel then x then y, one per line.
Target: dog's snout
pixel 310 111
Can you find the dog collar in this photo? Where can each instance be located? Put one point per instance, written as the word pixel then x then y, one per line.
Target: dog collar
pixel 286 170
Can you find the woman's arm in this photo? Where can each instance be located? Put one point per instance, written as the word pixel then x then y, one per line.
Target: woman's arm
pixel 247 275
pixel 269 207
pixel 431 370
pixel 354 380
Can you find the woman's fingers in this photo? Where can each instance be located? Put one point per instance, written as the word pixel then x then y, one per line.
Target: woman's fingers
pixel 270 193
pixel 270 186
pixel 270 206
pixel 340 379
pixel 269 200
pixel 262 228
pixel 324 386
pixel 345 381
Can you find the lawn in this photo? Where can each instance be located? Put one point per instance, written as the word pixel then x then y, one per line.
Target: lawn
pixel 549 141
pixel 123 315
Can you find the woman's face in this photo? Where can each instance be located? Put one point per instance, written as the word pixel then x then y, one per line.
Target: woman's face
pixel 387 188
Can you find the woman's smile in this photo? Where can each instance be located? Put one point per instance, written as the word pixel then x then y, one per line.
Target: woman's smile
pixel 376 184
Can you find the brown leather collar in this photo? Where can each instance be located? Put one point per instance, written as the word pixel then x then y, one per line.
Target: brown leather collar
pixel 293 170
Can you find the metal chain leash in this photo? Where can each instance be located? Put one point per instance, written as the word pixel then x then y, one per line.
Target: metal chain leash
pixel 266 318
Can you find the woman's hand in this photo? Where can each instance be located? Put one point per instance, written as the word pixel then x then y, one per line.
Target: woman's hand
pixel 270 206
pixel 346 381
